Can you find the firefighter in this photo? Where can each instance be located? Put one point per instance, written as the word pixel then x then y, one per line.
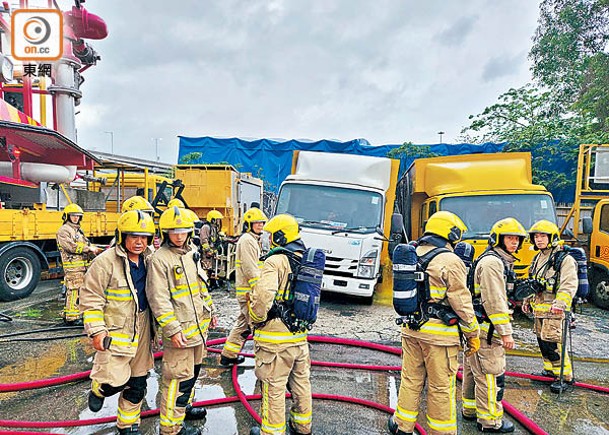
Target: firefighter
pixel 209 236
pixel 117 319
pixel 247 273
pixel 549 305
pixel 179 300
pixel 137 203
pixel 483 372
pixel 282 357
pixel 76 251
pixel 430 353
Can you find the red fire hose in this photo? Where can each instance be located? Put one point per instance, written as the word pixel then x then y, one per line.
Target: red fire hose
pixel 241 397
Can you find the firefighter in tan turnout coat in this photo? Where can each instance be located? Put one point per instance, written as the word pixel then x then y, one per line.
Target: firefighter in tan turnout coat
pixel 75 251
pixel 430 353
pixel 247 274
pixel 178 296
pixel 117 319
pixel 483 372
pixel 282 357
pixel 549 306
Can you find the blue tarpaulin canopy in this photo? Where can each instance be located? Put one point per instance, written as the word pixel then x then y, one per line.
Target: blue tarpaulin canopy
pixel 271 159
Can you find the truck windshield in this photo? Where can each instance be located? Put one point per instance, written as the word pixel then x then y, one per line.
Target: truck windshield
pixel 479 213
pixel 334 208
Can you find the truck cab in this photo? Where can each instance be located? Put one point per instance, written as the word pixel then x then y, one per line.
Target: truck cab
pixel 343 204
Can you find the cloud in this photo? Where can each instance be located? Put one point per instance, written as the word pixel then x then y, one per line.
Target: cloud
pixel 456 33
pixel 502 66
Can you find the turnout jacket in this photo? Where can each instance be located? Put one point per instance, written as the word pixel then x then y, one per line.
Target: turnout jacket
pixel 273 335
pixel 74 247
pixel 177 293
pixel 448 286
pixel 490 285
pixel 248 264
pixel 542 270
pixel 109 303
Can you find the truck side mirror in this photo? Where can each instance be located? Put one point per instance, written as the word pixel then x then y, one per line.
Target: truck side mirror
pixel 396 233
pixel 587 224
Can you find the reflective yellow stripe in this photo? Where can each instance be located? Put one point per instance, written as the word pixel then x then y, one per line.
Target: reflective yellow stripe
pixel 194 329
pixel 242 290
pixel 279 337
pixel 476 290
pixel 468 403
pixel 169 419
pixel 491 394
pixel 166 318
pixel 253 281
pixel 119 339
pixel 440 329
pixel 437 292
pixel 278 429
pixel 405 415
pixel 118 294
pixel 472 327
pixel 565 297
pixel 74 264
pixel 500 318
pixel 91 316
pixel 301 418
pixel 207 300
pixel 260 264
pixel 253 315
pixel 541 308
pixel 232 347
pixel 127 417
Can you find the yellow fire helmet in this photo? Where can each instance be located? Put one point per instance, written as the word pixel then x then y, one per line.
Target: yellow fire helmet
pixel 137 203
pixel 545 227
pixel 175 218
pixel 446 225
pixel 507 227
pixel 252 216
pixel 283 229
pixel 136 223
pixel 194 216
pixel 214 214
pixel 71 209
pixel 175 202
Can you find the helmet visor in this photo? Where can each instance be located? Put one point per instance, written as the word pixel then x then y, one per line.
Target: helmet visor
pixel 179 230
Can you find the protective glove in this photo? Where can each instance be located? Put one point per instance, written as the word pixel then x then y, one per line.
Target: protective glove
pixel 473 344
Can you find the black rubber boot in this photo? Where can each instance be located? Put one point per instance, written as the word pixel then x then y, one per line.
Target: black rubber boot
pixel 255 430
pixel 393 428
pixel 560 387
pixel 193 413
pixel 190 430
pixel 545 373
pixel 229 362
pixel 133 430
pixel 95 402
pixel 468 417
pixel 506 427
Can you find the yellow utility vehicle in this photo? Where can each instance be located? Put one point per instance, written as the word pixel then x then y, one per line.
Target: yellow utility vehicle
pixel 481 189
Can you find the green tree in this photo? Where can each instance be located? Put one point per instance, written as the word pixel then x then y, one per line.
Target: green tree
pixel 191 158
pixel 409 151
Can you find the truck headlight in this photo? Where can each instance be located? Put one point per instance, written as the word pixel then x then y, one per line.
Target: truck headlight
pixel 367 265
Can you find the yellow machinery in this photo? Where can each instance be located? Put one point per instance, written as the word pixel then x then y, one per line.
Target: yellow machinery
pixel 222 188
pixel 592 200
pixel 481 189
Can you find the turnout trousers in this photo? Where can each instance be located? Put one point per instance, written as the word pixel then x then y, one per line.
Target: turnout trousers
pixel 112 373
pixel 241 330
pixel 180 371
pixel 438 365
pixel 483 384
pixel 73 280
pixel 275 370
pixel 549 337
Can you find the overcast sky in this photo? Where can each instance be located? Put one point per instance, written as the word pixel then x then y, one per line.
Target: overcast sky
pixel 388 71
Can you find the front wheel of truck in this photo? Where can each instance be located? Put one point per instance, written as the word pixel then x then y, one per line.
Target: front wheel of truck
pixel 20 273
pixel 599 289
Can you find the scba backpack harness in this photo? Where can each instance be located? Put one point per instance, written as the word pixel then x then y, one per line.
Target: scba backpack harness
pixel 578 254
pixel 509 277
pixel 411 288
pixel 297 307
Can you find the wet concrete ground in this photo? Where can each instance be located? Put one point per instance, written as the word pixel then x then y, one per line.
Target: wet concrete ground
pixel 578 411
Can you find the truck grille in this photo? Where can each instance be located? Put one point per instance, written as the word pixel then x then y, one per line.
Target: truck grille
pixel 340 267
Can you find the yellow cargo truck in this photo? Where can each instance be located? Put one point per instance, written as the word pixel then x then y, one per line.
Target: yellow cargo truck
pixel 481 189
